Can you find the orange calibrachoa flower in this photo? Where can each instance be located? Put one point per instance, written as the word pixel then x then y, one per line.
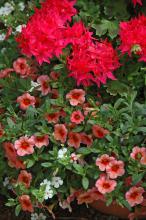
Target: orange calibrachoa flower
pixel 76 96
pixel 25 178
pixel 139 154
pixel 24 146
pixel 134 196
pixel 74 139
pixel 26 203
pixel 99 132
pixel 40 141
pixel 44 80
pixel 60 132
pixel 105 185
pixel 26 100
pixel 103 161
pixel 77 117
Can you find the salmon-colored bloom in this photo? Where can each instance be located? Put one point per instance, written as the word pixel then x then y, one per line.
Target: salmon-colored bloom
pixel 76 96
pixel 105 185
pixel 77 117
pixel 86 139
pixel 40 141
pixel 90 196
pixel 139 154
pixel 74 139
pixel 115 168
pixel 26 203
pixel 52 117
pixel 103 161
pixel 6 72
pixel 134 196
pixel 20 66
pixel 26 100
pixel 25 178
pixel 60 132
pixel 24 146
pixel 54 76
pixel 99 132
pixel 44 81
pixel 17 163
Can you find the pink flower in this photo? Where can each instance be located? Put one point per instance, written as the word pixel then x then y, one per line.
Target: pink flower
pixel 137 2
pixel 139 154
pixel 44 80
pixel 26 203
pixel 74 139
pixel 24 146
pixel 90 196
pixel 99 132
pixel 115 168
pixel 134 196
pixel 60 132
pixel 105 185
pixel 25 178
pixel 40 141
pixel 52 117
pixel 73 157
pixel 76 96
pixel 20 66
pixel 77 117
pixel 103 161
pixel 86 139
pixel 26 100
pixel 54 76
pixel 6 72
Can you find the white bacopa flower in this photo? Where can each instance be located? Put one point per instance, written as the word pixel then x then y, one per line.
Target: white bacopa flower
pixel 21 6
pixel 6 9
pixel 45 182
pixel 19 28
pixel 62 153
pixel 56 182
pixel 34 216
pixel 6 182
pixel 48 190
pixel 42 216
pixel 2 37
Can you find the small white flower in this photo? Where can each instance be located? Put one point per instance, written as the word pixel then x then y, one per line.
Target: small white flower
pixel 45 182
pixel 34 216
pixel 42 216
pixel 21 6
pixel 6 182
pixel 19 28
pixel 3 50
pixel 48 190
pixel 6 9
pixel 33 86
pixel 2 37
pixel 56 182
pixel 48 194
pixel 62 153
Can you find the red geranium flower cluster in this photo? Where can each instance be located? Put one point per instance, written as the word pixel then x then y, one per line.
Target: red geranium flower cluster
pixel 136 2
pixel 91 61
pixel 132 35
pixel 43 37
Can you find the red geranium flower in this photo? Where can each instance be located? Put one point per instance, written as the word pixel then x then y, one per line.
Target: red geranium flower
pixel 74 139
pixel 26 203
pixel 26 100
pixel 60 132
pixel 25 178
pixel 99 132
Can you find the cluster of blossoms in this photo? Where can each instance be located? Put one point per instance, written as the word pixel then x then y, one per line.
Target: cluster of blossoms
pixel 6 9
pixel 132 35
pixel 90 62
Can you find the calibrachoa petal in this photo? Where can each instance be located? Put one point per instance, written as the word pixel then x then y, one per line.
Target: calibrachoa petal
pixel 40 141
pixel 44 80
pixel 105 185
pixel 52 117
pixel 76 96
pixel 137 2
pixel 99 132
pixel 26 100
pixel 77 117
pixel 24 146
pixel 103 161
pixel 20 66
pixel 134 196
pixel 25 178
pixel 60 132
pixel 115 168
pixel 139 154
pixel 26 203
pixel 86 139
pixel 74 139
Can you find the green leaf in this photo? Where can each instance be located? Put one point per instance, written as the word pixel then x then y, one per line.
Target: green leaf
pixel 85 182
pixel 17 210
pixel 79 169
pixel 10 122
pixel 109 201
pixel 47 164
pixel 84 151
pixel 30 163
pixel 137 178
